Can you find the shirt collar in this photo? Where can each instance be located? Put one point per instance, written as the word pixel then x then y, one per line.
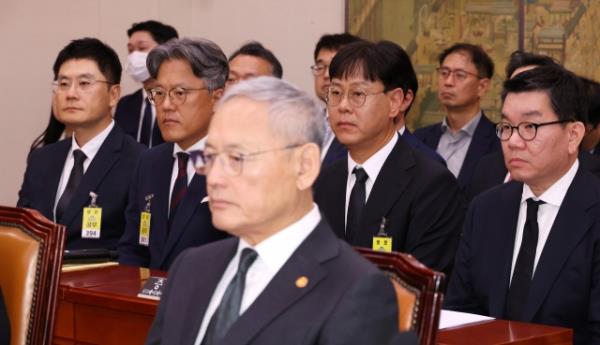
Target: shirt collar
pixel 198 146
pixel 374 164
pixel 556 193
pixel 277 249
pixel 468 128
pixel 91 147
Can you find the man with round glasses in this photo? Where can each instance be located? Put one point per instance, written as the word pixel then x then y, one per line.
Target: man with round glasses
pixel 465 134
pixel 82 182
pixel 530 249
pixel 384 190
pixel 167 211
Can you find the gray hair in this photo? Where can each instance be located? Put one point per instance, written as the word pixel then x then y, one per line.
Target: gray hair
pixel 208 61
pixel 293 114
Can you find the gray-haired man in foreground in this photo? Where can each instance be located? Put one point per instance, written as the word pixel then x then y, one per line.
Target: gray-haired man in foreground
pixel 284 277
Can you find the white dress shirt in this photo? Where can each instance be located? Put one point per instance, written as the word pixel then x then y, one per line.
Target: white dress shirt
pixel 553 198
pixel 372 167
pixel 90 149
pixel 273 253
pixel 199 145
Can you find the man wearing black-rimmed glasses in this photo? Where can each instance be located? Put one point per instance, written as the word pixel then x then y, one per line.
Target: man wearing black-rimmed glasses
pixel 530 249
pixel 167 210
pixel 81 182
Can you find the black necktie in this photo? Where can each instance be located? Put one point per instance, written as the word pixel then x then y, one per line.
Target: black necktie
pixel 356 204
pixel 228 310
pixel 523 272
pixel 146 130
pixel 181 184
pixel 72 184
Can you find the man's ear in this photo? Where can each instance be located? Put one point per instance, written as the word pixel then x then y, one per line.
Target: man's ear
pixel 114 93
pixel 308 166
pixel 409 97
pixel 576 134
pixel 216 95
pixel 396 98
pixel 484 85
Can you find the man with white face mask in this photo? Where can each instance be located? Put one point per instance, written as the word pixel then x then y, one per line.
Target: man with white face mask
pixel 134 113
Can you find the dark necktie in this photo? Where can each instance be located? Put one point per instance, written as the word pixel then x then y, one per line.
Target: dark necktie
pixel 356 204
pixel 72 184
pixel 146 130
pixel 518 292
pixel 228 310
pixel 180 186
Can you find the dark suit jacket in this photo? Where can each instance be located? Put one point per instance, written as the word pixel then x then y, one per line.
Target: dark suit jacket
pixel 128 113
pixel 491 171
pixel 192 225
pixel 108 175
pixel 338 151
pixel 565 290
pixel 419 197
pixel 484 141
pixel 347 300
pixel 4 322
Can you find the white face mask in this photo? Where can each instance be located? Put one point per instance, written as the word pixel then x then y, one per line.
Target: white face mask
pixel 136 66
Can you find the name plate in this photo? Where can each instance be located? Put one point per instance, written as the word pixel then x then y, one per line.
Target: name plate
pixel 153 288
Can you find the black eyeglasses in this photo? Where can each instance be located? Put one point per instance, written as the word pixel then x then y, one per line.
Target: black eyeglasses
pixel 527 130
pixel 177 95
pixel 459 74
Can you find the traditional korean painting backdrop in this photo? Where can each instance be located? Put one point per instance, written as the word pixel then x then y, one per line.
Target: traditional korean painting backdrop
pixel 568 30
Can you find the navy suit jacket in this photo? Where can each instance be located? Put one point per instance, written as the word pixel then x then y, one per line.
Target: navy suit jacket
pixel 565 290
pixel 419 198
pixel 338 151
pixel 108 175
pixel 192 225
pixel 491 171
pixel 347 300
pixel 128 113
pixel 484 141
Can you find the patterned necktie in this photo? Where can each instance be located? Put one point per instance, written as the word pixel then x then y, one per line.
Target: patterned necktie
pixel 228 310
pixel 180 186
pixel 72 184
pixel 146 130
pixel 518 292
pixel 356 204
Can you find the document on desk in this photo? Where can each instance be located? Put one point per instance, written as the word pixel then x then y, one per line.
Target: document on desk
pixel 450 318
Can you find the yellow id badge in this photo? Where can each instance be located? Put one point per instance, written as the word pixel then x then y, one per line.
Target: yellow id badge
pixel 92 222
pixel 145 228
pixel 382 244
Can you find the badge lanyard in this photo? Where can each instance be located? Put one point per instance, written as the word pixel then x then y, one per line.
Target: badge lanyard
pixel 382 242
pixel 145 217
pixel 92 219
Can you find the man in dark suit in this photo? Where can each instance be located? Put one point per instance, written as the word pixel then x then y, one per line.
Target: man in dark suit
pixel 530 250
pixel 82 182
pixel 252 60
pixel 465 134
pixel 382 176
pixel 284 277
pixel 135 114
pixel 190 76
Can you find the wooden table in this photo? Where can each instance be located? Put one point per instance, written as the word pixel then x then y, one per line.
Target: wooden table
pixel 100 306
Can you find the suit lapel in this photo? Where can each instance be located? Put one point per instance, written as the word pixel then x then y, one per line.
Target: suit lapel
pixel 336 151
pixel 571 224
pixel 478 147
pixel 161 185
pixel 196 192
pixel 211 270
pixel 107 156
pixel 433 138
pixel 335 200
pixel 54 171
pixel 391 182
pixel 282 292
pixel 502 235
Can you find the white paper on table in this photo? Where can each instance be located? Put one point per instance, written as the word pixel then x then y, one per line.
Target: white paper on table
pixel 450 318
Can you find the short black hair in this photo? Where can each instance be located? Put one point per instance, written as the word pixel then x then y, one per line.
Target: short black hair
pixel 258 50
pixel 160 32
pixel 334 42
pixel 383 61
pixel 481 60
pixel 93 49
pixel 564 90
pixel 592 96
pixel 519 58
